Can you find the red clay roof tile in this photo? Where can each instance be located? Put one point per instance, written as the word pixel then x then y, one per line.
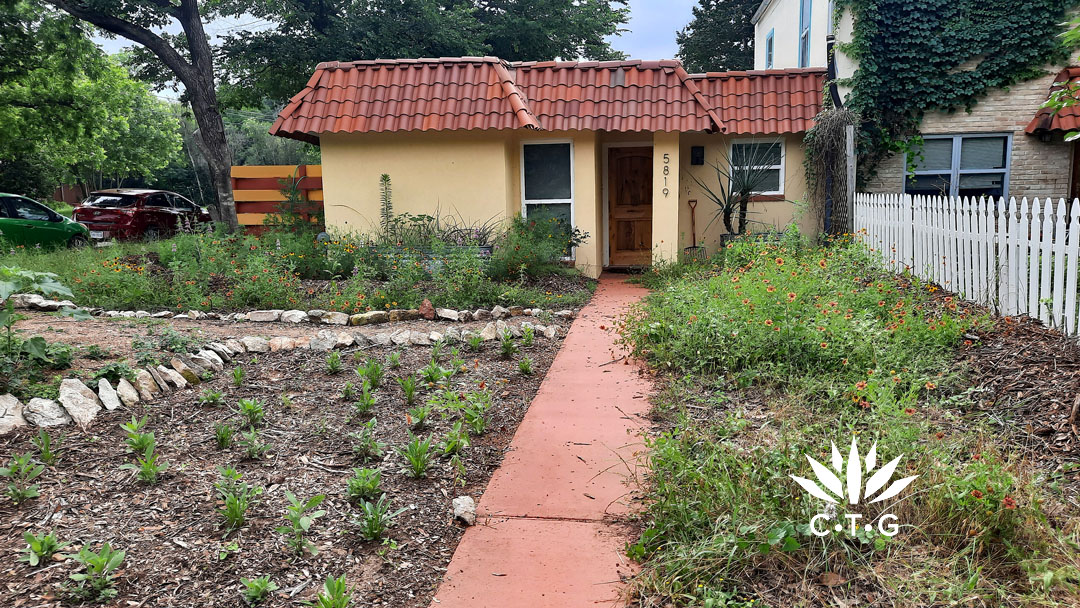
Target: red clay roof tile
pixel 488 93
pixel 1064 120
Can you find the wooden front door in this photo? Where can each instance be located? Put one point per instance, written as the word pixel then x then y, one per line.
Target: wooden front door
pixel 630 206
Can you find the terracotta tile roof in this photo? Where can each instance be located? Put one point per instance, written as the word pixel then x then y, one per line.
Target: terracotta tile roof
pixel 488 93
pixel 1066 119
pixel 764 101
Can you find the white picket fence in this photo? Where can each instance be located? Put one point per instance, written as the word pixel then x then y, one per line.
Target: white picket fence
pixel 1019 257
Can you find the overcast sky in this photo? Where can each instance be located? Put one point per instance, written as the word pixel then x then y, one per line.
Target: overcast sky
pixel 651 34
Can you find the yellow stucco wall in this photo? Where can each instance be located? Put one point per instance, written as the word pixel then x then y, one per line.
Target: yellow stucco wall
pixel 476 175
pixel 765 215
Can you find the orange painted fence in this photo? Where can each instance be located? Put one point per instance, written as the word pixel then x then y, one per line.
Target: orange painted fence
pixel 257 191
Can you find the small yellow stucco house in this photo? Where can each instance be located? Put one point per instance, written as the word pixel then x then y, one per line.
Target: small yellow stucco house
pixel 611 145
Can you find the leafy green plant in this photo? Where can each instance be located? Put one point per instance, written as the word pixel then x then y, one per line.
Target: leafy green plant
pixel 365 401
pixel 349 392
pixel 147 466
pixel 137 441
pixel 300 516
pixel 393 360
pixel 96 583
pixel 528 335
pixel 40 547
pixel 456 440
pixel 366 446
pixel 257 589
pixel 364 484
pixel 211 397
pixel 251 410
pixel 372 371
pixel 474 410
pixel 417 455
pixel 437 349
pixel 237 497
pixel 20 472
pixel 375 518
pixel 525 366
pixel 335 594
pixel 333 363
pixel 47 447
pixel 223 435
pixel 238 376
pixel 507 347
pixel 408 388
pixel 418 416
pixel 95 352
pixel 475 342
pixel 254 447
pixel 433 373
pixel 114 372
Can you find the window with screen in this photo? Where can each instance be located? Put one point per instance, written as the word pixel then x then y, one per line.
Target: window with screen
pixel 961 165
pixel 804 33
pixel 548 179
pixel 760 164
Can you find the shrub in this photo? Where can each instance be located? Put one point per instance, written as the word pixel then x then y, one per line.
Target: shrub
pixel 533 246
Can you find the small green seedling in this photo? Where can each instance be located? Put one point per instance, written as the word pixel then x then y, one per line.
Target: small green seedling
pixel 137 441
pixel 48 449
pixel 393 360
pixel 375 518
pixel 372 370
pixel 254 447
pixel 333 363
pixel 365 401
pixel 223 435
pixel 96 582
pixel 528 335
pixel 367 447
pixel 211 397
pixel 20 472
pixel 507 347
pixel 237 497
pixel 456 440
pixel 475 341
pixel 417 455
pixel 364 484
pixel 256 590
pixel 148 466
pixel 40 547
pixel 238 376
pixel 525 366
pixel 300 515
pixel 417 417
pixel 408 388
pixel 349 392
pixel 335 594
pixel 251 410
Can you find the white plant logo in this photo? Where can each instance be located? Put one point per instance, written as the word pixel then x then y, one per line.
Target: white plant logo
pixel 853 489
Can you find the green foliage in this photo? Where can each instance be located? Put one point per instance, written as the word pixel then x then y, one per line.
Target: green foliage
pixel 335 594
pixel 525 366
pixel 251 410
pixel 238 376
pixel 40 547
pixel 237 497
pixel 257 590
pixel 211 396
pixel 113 372
pixel 300 515
pixel 364 484
pixel 372 372
pixel 223 435
pixel 475 409
pixel 386 203
pixel 137 441
pixel 417 417
pixel 376 517
pixel 719 37
pixel 507 347
pixel 47 447
pixel 96 583
pixel 417 455
pixel 365 401
pixel 433 373
pixel 533 246
pixel 147 466
pixel 393 360
pixel 942 55
pixel 95 352
pixel 528 336
pixel 254 447
pixel 408 388
pixel 456 440
pixel 475 342
pixel 367 446
pixel 333 363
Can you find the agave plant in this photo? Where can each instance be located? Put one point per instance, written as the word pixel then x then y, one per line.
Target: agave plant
pixel 854 477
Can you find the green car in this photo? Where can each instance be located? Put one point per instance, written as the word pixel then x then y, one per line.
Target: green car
pixel 25 222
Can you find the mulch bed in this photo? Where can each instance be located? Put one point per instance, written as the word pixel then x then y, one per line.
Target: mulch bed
pixel 1029 376
pixel 178 553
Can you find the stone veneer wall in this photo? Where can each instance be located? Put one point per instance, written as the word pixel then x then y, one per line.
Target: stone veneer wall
pixel 1037 168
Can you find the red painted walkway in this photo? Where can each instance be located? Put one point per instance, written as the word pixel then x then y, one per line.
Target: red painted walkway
pixel 544 537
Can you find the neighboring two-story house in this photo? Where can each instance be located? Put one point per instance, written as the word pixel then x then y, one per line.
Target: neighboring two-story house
pixel 1005 146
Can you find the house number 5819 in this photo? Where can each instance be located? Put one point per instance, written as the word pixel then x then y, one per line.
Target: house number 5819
pixel 667 170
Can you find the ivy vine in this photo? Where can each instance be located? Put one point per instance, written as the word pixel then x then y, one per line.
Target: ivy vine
pixel 916 56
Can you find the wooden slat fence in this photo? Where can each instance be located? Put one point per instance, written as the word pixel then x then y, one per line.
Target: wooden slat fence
pixel 257 190
pixel 1019 257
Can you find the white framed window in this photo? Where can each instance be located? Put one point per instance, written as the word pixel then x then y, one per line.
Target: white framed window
pixel 769 46
pixel 804 33
pixel 976 164
pixel 547 178
pixel 763 161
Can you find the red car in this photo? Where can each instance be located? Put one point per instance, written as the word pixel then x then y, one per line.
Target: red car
pixel 129 213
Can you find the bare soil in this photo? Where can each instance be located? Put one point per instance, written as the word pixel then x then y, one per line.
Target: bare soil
pixel 178 553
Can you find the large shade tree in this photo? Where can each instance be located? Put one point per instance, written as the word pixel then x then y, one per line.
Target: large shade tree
pixel 190 60
pixel 275 63
pixel 720 36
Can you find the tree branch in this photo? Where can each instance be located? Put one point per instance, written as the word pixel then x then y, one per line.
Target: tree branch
pixel 154 43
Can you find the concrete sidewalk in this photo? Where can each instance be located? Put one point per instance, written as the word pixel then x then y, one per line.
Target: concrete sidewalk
pixel 543 538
